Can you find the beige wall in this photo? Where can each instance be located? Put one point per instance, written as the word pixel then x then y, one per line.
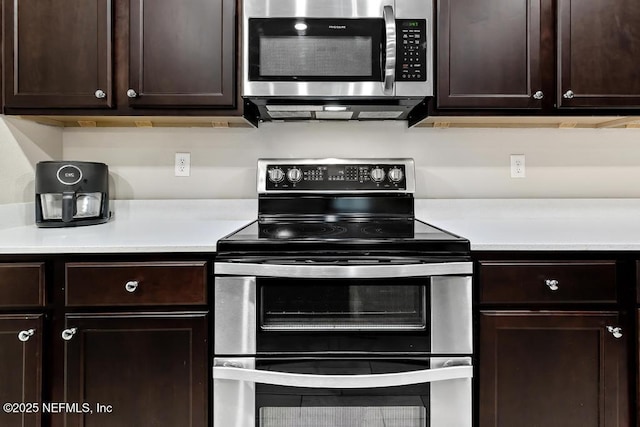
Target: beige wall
pixel 22 145
pixel 450 163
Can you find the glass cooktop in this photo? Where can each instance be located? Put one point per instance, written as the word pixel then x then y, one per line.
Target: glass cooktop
pixel 396 235
pixel 341 230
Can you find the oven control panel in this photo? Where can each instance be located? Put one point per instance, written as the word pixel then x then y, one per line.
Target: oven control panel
pixel 290 176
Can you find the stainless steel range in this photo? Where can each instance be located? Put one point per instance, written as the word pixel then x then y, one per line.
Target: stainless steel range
pixel 338 308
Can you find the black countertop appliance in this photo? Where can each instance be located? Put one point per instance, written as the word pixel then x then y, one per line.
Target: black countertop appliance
pixel 71 193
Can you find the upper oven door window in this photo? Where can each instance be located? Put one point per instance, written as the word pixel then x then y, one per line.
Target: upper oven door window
pixel 343 305
pixel 314 49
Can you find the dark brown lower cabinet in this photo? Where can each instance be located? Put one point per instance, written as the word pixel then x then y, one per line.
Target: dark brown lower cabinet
pixel 552 369
pixel 637 356
pixel 137 369
pixel 21 370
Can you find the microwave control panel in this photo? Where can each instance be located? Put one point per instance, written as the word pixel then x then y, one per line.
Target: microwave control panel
pixel 411 61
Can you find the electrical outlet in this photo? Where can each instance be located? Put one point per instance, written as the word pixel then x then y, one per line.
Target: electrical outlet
pixel 183 164
pixel 517 166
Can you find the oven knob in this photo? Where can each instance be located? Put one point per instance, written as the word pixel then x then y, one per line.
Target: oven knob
pixel 294 175
pixel 276 175
pixel 395 175
pixel 377 174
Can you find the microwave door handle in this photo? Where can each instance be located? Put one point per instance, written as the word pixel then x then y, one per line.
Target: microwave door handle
pixel 390 57
pixel 341 381
pixel 343 271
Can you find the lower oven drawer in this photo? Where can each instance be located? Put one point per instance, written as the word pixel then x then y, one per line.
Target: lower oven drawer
pixel 347 392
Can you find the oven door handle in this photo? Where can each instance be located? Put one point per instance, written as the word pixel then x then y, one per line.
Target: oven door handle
pixel 390 54
pixel 340 381
pixel 323 271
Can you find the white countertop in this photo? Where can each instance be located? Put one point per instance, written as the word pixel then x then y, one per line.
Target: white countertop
pixel 538 224
pixel 137 226
pixel 144 226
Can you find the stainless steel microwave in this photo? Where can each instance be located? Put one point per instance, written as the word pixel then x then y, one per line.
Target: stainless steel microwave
pixel 333 55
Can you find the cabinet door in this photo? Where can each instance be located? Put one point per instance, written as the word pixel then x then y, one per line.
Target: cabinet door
pixel 144 369
pixel 21 369
pixel 552 369
pixel 489 53
pixel 638 372
pixel 57 53
pixel 598 51
pixel 182 53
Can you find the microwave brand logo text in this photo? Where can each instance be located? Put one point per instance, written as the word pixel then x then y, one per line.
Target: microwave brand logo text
pixel 338 27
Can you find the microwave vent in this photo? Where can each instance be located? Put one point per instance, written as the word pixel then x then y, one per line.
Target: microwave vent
pixel 290 114
pixel 334 115
pixel 289 108
pixel 379 114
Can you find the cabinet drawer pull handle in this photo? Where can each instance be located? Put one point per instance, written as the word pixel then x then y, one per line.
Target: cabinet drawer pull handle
pixel 552 284
pixel 100 94
pixel 538 95
pixel 67 334
pixel 131 286
pixel 568 94
pixel 132 93
pixel 25 335
pixel 615 331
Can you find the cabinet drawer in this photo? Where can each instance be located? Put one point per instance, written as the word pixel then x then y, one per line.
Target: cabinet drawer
pixel 638 282
pixel 547 281
pixel 22 285
pixel 135 283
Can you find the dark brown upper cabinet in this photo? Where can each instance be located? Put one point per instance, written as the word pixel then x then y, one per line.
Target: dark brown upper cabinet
pixel 120 57
pixel 540 55
pixel 489 53
pixel 181 53
pixel 598 51
pixel 57 53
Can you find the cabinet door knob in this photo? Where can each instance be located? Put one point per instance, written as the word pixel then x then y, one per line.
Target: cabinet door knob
pixel 25 335
pixel 552 284
pixel 615 331
pixel 131 285
pixel 100 94
pixel 568 94
pixel 67 334
pixel 132 93
pixel 538 95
